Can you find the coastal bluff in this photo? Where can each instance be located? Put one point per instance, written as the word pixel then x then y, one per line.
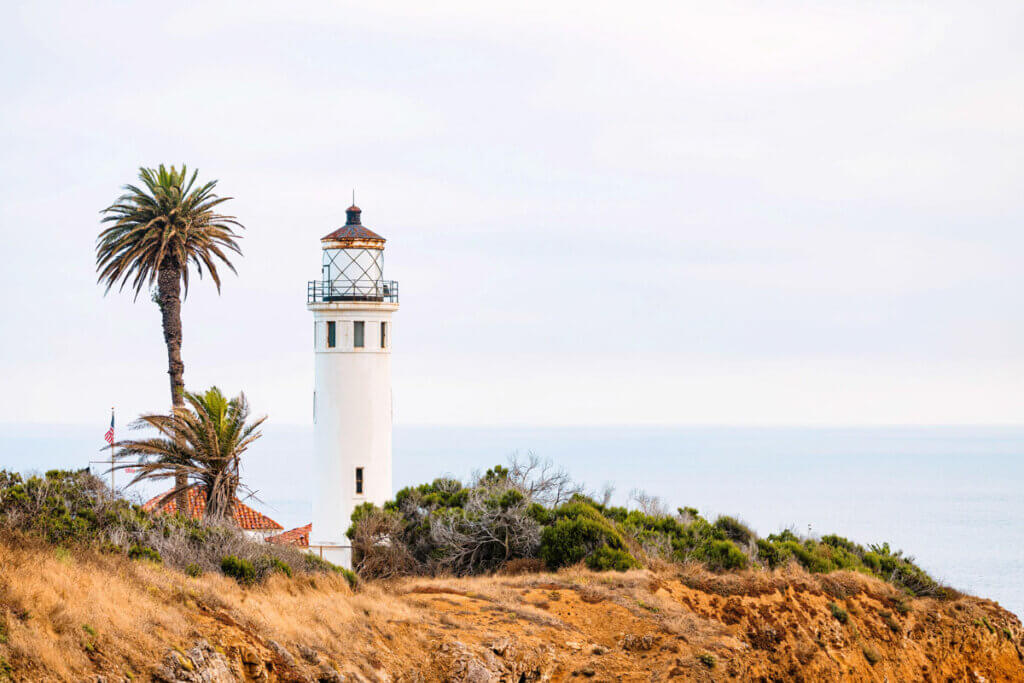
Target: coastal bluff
pixel 89 616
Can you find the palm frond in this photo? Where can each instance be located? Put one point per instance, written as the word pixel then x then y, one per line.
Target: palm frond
pixel 166 221
pixel 203 442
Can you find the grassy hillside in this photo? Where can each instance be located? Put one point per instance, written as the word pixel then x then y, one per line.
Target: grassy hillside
pixel 491 581
pixel 74 615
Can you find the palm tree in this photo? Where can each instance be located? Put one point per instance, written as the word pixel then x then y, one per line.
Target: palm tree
pixel 158 231
pixel 204 442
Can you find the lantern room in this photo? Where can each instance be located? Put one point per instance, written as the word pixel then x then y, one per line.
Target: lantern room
pixel 353 265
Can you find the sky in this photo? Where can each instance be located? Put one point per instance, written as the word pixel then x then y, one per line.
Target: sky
pixel 749 213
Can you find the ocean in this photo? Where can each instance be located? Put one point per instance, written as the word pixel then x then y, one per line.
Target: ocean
pixel 951 497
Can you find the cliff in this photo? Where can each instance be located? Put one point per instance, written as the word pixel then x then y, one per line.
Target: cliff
pixel 85 616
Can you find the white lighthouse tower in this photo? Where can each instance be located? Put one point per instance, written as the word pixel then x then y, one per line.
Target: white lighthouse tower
pixel 352 306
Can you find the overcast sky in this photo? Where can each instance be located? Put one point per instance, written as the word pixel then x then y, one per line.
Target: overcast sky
pixel 689 213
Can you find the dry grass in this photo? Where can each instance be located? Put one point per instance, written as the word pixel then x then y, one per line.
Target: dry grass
pixel 138 612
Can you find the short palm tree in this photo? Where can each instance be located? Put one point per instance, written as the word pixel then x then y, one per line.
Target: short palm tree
pixel 203 441
pixel 156 233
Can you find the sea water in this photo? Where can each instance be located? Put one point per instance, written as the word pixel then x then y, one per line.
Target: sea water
pixel 949 496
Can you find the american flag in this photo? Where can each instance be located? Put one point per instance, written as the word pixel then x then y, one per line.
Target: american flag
pixel 109 436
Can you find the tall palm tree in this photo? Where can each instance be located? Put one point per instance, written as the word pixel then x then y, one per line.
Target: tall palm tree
pixel 156 233
pixel 203 441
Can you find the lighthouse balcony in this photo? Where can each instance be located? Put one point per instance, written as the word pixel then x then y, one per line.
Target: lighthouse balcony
pixel 320 291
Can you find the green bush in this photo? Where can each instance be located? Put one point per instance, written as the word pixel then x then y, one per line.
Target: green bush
pixel 193 570
pixel 735 530
pixel 605 559
pixel 269 565
pixel 721 555
pixel 315 563
pixel 144 552
pixel 350 576
pixel 578 531
pixel 838 612
pixel 774 555
pixel 240 570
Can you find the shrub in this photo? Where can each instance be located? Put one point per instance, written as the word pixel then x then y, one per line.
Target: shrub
pixel 838 612
pixel 240 570
pixel 707 659
pixel 893 625
pixel 735 530
pixel 350 576
pixel 144 552
pixel 315 563
pixel 579 530
pixel 774 555
pixel 604 559
pixel 269 565
pixel 194 570
pixel 721 555
pixel 378 548
pixel 493 525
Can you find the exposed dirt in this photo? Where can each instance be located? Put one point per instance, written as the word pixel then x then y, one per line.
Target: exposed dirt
pixel 149 623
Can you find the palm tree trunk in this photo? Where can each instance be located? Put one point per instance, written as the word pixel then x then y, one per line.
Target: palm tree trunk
pixel 169 295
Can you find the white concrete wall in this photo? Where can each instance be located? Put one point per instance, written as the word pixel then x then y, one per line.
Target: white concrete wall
pixel 352 417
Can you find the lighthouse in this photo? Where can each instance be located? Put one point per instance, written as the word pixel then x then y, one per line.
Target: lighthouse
pixel 352 306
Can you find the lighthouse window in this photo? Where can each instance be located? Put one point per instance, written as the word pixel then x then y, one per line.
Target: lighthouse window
pixel 331 334
pixel 359 480
pixel 383 335
pixel 358 334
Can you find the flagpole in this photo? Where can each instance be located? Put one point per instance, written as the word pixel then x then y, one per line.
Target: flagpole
pixel 112 452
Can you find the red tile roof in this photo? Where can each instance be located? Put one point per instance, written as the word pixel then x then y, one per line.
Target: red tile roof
pixel 298 536
pixel 245 517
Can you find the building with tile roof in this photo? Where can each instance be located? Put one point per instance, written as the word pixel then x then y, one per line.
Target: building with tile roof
pixel 253 523
pixel 298 537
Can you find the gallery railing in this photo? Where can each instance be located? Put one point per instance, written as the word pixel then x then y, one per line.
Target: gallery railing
pixel 352 290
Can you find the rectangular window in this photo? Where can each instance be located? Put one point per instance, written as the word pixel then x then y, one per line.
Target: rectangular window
pixel 331 334
pixel 358 333
pixel 383 335
pixel 359 481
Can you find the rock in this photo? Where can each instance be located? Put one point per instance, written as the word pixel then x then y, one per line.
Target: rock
pixel 635 643
pixel 201 664
pixel 476 672
pixel 309 654
pixel 282 653
pixel 328 674
pixel 500 646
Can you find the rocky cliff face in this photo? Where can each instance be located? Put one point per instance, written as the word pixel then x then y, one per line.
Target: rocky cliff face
pixel 88 617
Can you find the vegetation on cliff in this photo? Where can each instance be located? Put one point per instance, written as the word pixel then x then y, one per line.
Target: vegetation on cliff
pixel 75 510
pixel 530 512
